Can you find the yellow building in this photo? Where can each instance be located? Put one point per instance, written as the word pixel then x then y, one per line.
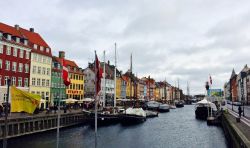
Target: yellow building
pixel 76 89
pixel 118 87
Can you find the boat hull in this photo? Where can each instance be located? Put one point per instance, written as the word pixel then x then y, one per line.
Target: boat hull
pixel 202 113
pixel 127 119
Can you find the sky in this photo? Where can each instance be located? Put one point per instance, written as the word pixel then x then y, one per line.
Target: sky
pixel 169 39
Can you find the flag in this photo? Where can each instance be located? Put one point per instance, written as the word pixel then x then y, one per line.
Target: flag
pixel 65 74
pixel 210 80
pixel 23 101
pixel 98 74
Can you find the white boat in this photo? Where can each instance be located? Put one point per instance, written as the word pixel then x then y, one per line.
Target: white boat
pixel 133 116
pixel 204 108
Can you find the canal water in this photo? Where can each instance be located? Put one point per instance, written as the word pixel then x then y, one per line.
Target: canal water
pixel 175 129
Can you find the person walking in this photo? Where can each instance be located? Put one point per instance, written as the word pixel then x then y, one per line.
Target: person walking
pixel 239 111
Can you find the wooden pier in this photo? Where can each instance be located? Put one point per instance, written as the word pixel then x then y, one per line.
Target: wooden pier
pixel 33 124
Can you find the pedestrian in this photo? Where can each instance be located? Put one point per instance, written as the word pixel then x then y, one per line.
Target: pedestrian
pixel 239 111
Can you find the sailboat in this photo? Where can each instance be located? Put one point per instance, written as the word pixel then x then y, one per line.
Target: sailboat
pixel 133 115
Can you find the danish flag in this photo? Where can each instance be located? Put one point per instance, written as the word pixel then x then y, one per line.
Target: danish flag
pixel 65 74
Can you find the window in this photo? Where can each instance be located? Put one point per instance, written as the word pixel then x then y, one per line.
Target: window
pixel 47 50
pixel 15 52
pixel 34 70
pixel 21 53
pixel 8 51
pixel 33 83
pixel 9 37
pixel 41 48
pixel 44 59
pixel 25 42
pixel 7 65
pixel 13 81
pixel 38 83
pixel 35 46
pixel 20 81
pixel 44 71
pixel 27 55
pixel 0 80
pixel 48 71
pixel 13 66
pixel 47 83
pixel 39 70
pixel 43 82
pixel 33 92
pixel 38 92
pixel 17 40
pixel 26 68
pixel 26 82
pixel 1 64
pixel 6 80
pixel 20 67
pixel 1 48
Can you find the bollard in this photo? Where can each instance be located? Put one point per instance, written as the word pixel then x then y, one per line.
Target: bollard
pixel 238 119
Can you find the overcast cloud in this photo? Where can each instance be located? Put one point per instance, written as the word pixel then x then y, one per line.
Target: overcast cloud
pixel 172 39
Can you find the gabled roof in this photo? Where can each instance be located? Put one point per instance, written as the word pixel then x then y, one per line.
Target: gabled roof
pixel 233 74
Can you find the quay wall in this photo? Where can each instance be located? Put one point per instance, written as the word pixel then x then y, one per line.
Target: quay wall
pixel 35 124
pixel 235 138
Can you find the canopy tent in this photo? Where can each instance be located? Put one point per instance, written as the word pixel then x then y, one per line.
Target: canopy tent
pixel 70 101
pixel 87 100
pixel 207 103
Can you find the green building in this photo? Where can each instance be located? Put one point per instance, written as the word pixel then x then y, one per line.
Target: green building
pixel 58 89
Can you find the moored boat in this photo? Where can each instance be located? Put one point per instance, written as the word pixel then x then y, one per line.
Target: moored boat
pixel 133 116
pixel 151 114
pixel 164 108
pixel 179 104
pixel 152 105
pixel 204 108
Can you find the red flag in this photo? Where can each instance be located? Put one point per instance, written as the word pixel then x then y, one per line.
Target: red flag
pixel 210 80
pixel 65 74
pixel 98 72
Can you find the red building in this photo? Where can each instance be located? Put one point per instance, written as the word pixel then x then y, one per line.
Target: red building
pixel 14 59
pixel 233 87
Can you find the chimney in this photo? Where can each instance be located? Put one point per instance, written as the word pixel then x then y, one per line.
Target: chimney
pixel 61 54
pixel 31 29
pixel 17 27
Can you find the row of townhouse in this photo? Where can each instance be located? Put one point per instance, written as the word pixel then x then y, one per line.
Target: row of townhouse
pixel 128 86
pixel 26 59
pixel 237 89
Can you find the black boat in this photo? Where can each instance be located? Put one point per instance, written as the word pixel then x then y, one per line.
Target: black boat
pixel 179 104
pixel 204 108
pixel 164 108
pixel 103 118
pixel 133 116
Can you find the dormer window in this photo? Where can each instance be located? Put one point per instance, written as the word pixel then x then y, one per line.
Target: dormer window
pixel 41 48
pixel 35 46
pixel 25 42
pixel 1 35
pixel 47 50
pixel 17 39
pixel 75 69
pixel 9 37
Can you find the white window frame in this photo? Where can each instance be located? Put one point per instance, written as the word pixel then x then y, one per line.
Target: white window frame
pixel 14 66
pixel 21 53
pixel 8 50
pixel 26 68
pixel 43 82
pixel 13 81
pixel 20 79
pixel 47 83
pixel 20 67
pixel 7 65
pixel 1 63
pixel 26 82
pixel 6 80
pixel 41 48
pixel 0 80
pixel 15 50
pixel 35 46
pixel 39 70
pixel 33 82
pixel 38 82
pixel 43 70
pixel 48 71
pixel 27 55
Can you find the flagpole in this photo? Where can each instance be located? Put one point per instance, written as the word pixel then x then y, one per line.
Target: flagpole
pixel 115 80
pixel 6 115
pixel 96 103
pixel 59 108
pixel 104 89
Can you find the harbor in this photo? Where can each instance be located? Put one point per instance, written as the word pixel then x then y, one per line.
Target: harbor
pixel 177 128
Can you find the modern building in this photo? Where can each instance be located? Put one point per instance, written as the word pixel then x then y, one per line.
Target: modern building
pixel 14 59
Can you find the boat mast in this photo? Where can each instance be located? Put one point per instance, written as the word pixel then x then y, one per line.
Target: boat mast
pixel 104 79
pixel 115 79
